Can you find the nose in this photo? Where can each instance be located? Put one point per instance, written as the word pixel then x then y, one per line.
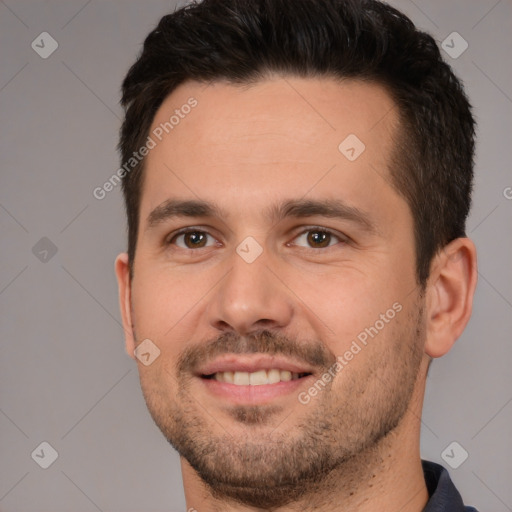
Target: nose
pixel 250 297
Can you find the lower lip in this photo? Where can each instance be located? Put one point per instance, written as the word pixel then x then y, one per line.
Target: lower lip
pixel 253 394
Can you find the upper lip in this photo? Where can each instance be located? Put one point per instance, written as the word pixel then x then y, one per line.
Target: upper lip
pixel 251 363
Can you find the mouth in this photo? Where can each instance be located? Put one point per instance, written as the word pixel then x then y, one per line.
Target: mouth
pixel 254 379
pixel 257 378
pixel 256 388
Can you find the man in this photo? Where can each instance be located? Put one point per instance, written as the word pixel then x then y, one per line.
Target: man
pixel 297 175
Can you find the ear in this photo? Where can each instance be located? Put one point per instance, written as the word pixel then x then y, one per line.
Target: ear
pixel 122 269
pixel 450 291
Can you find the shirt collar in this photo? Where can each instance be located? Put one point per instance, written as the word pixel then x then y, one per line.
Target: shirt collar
pixel 444 497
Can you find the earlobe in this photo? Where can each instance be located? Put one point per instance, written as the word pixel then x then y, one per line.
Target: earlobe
pixel 450 290
pixel 122 270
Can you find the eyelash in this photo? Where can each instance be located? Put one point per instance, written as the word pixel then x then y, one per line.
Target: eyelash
pixel 343 239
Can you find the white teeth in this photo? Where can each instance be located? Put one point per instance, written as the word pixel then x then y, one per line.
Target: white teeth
pixel 241 378
pixel 274 376
pixel 257 378
pixel 286 375
pixel 228 377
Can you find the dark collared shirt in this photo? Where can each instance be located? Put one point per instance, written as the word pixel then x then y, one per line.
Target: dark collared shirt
pixel 444 497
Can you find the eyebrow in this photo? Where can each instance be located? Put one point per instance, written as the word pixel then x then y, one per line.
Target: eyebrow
pixel 292 208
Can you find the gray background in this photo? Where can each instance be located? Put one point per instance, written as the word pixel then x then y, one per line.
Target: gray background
pixel 64 376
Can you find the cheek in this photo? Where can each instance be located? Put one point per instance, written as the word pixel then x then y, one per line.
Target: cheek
pixel 384 350
pixel 159 379
pixel 160 300
pixel 165 309
pixel 348 302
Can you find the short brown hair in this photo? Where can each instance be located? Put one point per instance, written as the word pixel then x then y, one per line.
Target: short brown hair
pixel 242 41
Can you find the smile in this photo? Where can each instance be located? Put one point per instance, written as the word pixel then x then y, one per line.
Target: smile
pixel 257 378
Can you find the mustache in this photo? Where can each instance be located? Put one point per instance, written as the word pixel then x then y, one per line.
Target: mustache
pixel 313 353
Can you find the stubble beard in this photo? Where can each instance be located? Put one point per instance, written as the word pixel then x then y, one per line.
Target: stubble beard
pixel 262 463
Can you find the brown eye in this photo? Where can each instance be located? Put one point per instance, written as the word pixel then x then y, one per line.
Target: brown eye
pixel 191 239
pixel 194 239
pixel 318 238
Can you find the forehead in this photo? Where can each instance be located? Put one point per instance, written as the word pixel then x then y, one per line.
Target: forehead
pixel 282 134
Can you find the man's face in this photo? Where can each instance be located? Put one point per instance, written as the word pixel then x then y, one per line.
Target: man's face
pixel 262 286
